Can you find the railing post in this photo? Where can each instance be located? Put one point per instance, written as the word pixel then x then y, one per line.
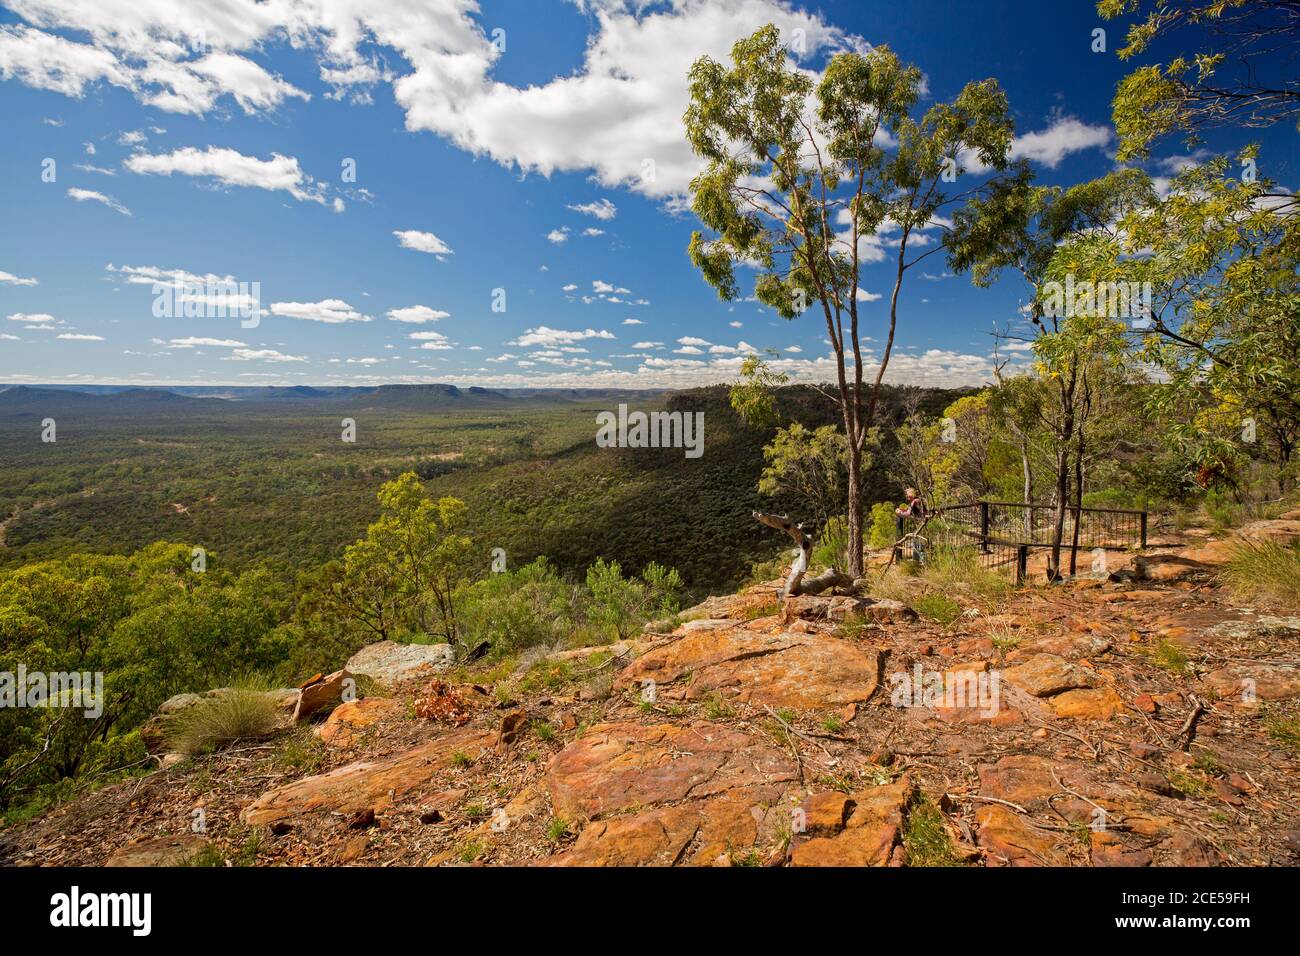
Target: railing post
pixel 984 526
pixel 898 525
pixel 1022 563
pixel 1143 522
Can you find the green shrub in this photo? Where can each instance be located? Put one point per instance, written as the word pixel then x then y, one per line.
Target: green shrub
pixel 525 607
pixel 884 525
pixel 620 606
pixel 832 548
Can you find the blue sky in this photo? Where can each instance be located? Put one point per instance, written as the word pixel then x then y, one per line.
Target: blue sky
pixel 211 139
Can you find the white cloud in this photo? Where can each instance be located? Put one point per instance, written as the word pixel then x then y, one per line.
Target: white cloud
pixel 692 340
pixel 1066 135
pixel 199 342
pixel 11 279
pixel 84 195
pixel 263 355
pixel 547 337
pixel 601 209
pixel 569 288
pixel 592 231
pixel 417 314
pixel 80 337
pixel 618 115
pixel 865 296
pixel 558 236
pixel 49 62
pixel 422 242
pixel 330 311
pixel 174 56
pixel 232 168
pixel 633 322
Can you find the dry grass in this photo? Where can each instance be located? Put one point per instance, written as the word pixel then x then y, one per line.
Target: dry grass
pixel 1265 571
pixel 243 711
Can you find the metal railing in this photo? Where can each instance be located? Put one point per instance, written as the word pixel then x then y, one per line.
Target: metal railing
pixel 1002 534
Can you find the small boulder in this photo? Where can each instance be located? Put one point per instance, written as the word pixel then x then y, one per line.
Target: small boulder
pixel 1046 674
pixel 391 663
pixel 323 694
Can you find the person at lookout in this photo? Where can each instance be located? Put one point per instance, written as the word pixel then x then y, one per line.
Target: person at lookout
pixel 915 507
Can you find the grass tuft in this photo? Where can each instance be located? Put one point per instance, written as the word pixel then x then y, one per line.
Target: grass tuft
pixel 246 710
pixel 926 837
pixel 1265 571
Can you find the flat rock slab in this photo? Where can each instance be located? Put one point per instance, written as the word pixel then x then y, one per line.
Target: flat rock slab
pixel 1070 646
pixel 707 832
pixel 804 671
pixel 1284 531
pixel 1087 703
pixel 841 607
pixel 1045 674
pixel 620 766
pixel 1179 566
pixel 1020 778
pixel 869 836
pixel 158 851
pixel 391 663
pixel 1010 840
pixel 367 784
pixel 758 601
pixel 1267 681
pixel 349 721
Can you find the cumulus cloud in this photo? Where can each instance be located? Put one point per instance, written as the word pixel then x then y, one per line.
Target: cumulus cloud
pixel 558 236
pixel 33 318
pixel 422 242
pixel 1064 136
pixel 11 279
pixel 432 341
pixel 49 62
pixel 618 115
pixel 79 337
pixel 544 336
pixel 232 168
pixel 176 56
pixel 329 311
pixel 417 314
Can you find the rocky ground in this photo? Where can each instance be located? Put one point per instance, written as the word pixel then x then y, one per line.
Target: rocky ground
pixel 1133 720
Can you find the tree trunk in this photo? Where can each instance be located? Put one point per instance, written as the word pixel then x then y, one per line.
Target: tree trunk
pixel 1063 440
pixel 1028 499
pixel 855 512
pixel 1078 504
pixel 801 540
